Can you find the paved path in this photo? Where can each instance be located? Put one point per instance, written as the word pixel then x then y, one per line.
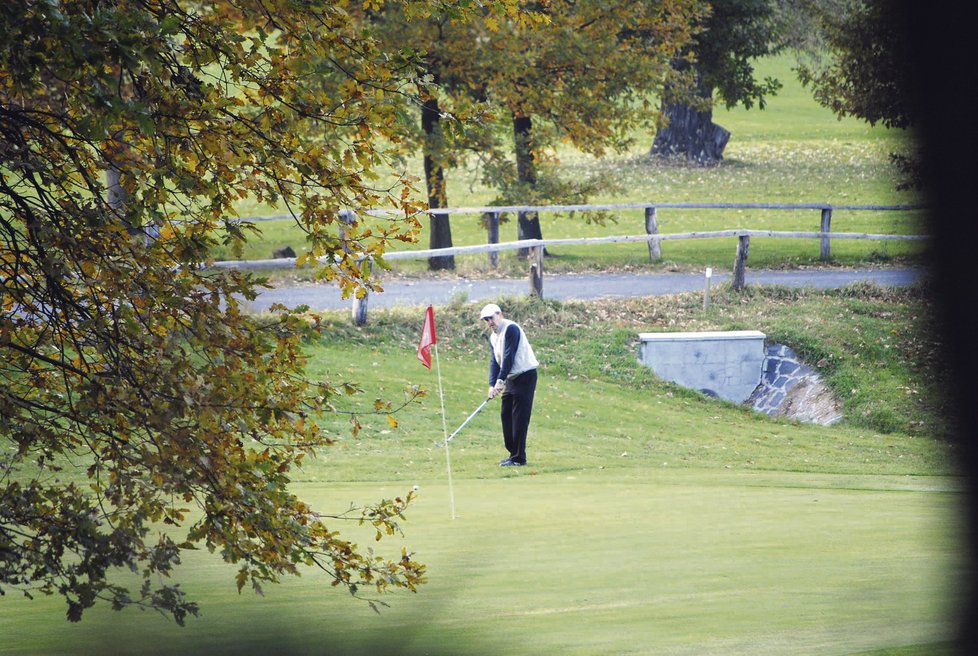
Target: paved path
pixel 421 292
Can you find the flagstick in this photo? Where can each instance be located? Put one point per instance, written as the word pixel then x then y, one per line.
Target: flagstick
pixel 444 428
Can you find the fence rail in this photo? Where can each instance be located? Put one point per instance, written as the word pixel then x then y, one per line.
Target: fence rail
pixel 535 247
pixel 509 209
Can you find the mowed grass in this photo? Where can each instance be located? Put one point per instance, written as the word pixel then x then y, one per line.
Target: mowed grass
pixel 651 519
pixel 694 561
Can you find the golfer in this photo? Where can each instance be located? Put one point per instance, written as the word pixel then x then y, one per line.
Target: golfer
pixel 512 373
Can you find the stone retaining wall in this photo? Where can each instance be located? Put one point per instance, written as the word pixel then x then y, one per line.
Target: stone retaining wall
pixel 737 366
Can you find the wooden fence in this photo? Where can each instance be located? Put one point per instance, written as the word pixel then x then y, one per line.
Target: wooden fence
pixel 535 247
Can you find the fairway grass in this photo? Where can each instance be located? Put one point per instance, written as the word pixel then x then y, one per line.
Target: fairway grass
pixel 694 561
pixel 650 519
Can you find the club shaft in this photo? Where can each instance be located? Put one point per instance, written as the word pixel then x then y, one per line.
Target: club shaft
pixel 468 419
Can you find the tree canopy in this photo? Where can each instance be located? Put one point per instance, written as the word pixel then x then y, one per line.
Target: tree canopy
pixel 864 66
pixel 865 61
pixel 143 411
pixel 574 71
pixel 453 122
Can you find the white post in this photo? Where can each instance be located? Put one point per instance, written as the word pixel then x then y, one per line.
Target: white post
pixel 444 428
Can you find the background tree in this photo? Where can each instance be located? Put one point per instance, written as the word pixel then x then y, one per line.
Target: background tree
pixel 440 235
pixel 717 63
pixel 862 69
pixel 142 411
pixel 582 77
pixel 427 37
pixel 452 122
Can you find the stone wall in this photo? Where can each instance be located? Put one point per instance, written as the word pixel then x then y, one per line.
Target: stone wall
pixel 790 388
pixel 737 366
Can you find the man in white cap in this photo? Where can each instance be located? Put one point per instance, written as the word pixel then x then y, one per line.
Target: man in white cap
pixel 512 373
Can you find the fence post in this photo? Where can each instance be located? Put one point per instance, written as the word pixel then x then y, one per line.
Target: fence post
pixel 360 304
pixel 359 310
pixel 536 271
pixel 826 227
pixel 740 263
pixel 492 226
pixel 652 228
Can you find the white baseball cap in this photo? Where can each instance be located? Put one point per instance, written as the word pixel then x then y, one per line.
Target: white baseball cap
pixel 489 310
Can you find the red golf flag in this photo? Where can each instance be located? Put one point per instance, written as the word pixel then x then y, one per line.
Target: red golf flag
pixel 427 338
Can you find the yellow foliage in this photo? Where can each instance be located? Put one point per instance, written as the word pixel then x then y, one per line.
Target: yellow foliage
pixel 119 346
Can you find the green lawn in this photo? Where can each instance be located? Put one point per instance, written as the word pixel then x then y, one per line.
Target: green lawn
pixel 591 561
pixel 792 152
pixel 651 519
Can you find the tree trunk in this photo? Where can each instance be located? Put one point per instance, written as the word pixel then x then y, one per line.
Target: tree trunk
pixel 434 174
pixel 691 133
pixel 528 225
pixel 117 198
pixel 115 195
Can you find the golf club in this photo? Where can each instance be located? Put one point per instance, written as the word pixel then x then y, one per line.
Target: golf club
pixel 468 419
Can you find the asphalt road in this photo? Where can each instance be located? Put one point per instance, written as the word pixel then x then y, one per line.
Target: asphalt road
pixel 421 292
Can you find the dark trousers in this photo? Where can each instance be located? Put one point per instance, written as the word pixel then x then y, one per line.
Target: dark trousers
pixel 517 405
